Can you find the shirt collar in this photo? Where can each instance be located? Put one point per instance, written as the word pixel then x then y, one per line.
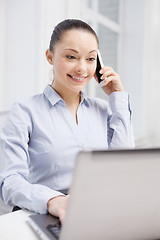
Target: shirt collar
pixel 83 97
pixel 54 97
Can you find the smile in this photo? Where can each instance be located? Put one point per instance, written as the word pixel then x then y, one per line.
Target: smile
pixel 76 78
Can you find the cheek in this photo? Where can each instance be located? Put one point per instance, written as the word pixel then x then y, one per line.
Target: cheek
pixel 62 68
pixel 92 68
pixel 67 66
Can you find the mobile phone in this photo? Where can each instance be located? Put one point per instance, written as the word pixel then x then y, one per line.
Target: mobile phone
pixel 100 65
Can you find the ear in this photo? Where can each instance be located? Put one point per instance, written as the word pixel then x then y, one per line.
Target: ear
pixel 49 56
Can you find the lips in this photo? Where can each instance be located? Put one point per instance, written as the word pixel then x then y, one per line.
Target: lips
pixel 77 78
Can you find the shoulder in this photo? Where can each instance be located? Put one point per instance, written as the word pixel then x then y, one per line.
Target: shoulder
pixel 31 104
pixel 29 112
pixel 24 112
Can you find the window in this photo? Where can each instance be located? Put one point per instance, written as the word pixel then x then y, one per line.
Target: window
pixel 110 9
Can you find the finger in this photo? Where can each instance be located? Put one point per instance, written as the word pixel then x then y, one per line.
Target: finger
pixel 103 83
pixel 106 74
pixel 62 216
pixel 105 68
pixel 113 79
pixel 107 80
pixel 109 73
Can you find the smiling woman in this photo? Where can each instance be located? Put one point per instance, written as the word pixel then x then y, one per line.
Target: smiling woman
pixel 43 135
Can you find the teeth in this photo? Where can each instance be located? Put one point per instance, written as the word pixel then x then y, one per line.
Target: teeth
pixel 77 78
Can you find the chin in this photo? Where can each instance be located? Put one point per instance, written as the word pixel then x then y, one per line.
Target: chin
pixel 76 87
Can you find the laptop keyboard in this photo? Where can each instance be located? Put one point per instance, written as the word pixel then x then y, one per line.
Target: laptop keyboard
pixel 55 229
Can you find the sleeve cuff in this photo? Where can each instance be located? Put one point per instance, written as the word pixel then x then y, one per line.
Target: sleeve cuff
pixel 41 206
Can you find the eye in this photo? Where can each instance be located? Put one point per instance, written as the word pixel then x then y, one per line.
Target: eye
pixel 70 57
pixel 91 59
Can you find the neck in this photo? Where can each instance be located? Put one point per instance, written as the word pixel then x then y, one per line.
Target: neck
pixel 71 98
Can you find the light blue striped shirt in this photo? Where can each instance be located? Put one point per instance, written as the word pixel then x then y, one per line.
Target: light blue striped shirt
pixel 40 141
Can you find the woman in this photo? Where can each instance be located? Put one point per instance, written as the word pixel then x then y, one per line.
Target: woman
pixel 42 136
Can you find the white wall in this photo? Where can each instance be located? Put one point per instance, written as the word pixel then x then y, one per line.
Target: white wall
pixel 20 56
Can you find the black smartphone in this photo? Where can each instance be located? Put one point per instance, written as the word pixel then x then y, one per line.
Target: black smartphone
pixel 100 65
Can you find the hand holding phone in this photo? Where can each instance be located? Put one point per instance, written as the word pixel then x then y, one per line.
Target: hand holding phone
pixel 111 82
pixel 100 65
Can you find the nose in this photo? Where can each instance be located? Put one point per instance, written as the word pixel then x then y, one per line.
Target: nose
pixel 81 66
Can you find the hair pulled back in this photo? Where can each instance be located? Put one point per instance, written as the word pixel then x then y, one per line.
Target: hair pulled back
pixel 66 25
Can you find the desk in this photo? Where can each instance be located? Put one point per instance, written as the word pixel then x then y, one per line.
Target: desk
pixel 14 226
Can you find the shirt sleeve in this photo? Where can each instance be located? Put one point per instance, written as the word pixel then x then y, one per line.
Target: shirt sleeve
pixel 120 132
pixel 15 190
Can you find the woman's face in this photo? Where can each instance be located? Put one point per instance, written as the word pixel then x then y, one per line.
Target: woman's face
pixel 74 60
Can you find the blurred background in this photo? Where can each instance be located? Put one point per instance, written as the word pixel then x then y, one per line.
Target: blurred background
pixel 129 35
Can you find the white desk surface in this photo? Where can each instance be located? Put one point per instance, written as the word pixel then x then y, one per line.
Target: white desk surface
pixel 14 226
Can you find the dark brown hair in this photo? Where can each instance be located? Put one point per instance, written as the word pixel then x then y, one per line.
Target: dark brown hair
pixel 66 25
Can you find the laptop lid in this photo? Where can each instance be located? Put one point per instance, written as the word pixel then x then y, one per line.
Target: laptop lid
pixel 114 195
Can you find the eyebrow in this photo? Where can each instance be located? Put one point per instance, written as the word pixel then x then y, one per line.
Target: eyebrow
pixel 77 51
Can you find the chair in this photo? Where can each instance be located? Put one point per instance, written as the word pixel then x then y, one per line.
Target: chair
pixel 4 208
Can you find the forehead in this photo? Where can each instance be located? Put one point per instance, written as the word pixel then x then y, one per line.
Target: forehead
pixel 79 39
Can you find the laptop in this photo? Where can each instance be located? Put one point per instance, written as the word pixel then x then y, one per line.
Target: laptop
pixel 114 195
